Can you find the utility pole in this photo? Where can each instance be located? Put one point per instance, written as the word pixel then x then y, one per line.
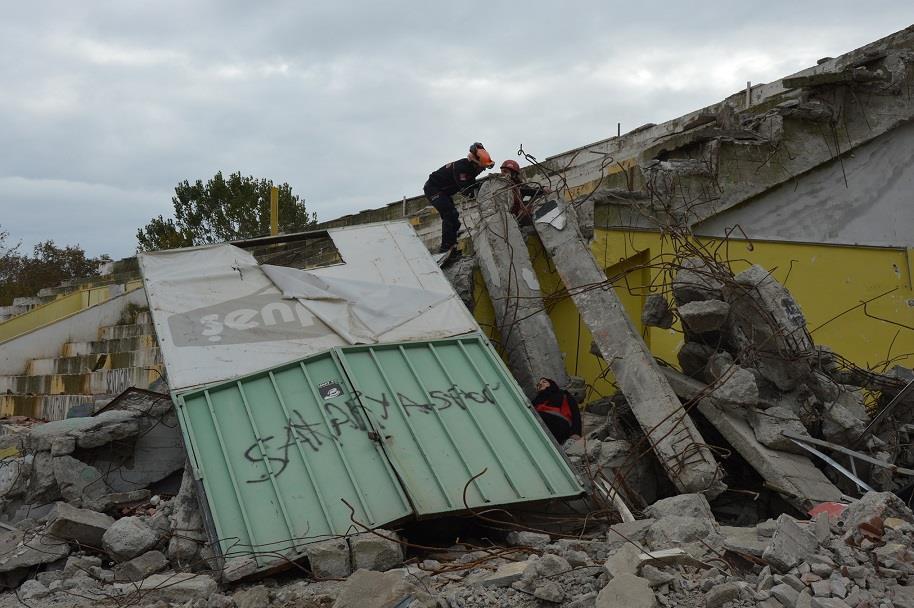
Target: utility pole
pixel 274 211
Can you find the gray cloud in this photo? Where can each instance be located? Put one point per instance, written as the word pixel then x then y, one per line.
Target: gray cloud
pixel 105 106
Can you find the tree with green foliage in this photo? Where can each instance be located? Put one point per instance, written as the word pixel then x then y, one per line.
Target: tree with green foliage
pixel 223 210
pixel 48 266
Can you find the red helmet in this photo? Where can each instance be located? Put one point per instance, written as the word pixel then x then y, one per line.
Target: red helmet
pixel 511 165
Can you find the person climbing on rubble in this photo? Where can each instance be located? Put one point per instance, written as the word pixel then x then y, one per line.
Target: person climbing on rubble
pixel 524 194
pixel 558 409
pixel 458 177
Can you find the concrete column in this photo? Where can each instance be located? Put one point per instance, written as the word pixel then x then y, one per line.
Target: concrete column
pixel 675 440
pixel 520 315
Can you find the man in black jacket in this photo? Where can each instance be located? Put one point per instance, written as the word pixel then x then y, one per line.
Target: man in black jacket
pixel 456 177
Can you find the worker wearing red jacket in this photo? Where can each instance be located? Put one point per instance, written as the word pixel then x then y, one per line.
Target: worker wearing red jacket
pixel 453 178
pixel 558 409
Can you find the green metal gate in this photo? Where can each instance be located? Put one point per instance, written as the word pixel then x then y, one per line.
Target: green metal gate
pixel 367 434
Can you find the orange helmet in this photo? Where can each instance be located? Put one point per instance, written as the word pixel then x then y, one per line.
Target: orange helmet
pixel 479 155
pixel 511 165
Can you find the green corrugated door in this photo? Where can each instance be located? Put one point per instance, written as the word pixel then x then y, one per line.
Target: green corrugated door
pixel 455 426
pixel 302 451
pixel 278 452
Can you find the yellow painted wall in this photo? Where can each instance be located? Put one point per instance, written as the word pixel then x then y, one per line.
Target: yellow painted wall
pixel 829 283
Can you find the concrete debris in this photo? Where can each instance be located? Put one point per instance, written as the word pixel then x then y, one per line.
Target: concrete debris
pixel 770 424
pixel 378 550
pixel 329 558
pixel 141 567
pixel 702 316
pixel 696 281
pixel 129 537
pixel 657 312
pixel 627 590
pixel 790 544
pixel 82 526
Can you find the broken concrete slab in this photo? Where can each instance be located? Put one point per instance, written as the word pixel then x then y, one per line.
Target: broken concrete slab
pixel 178 587
pixel 21 551
pixel 732 383
pixel 626 590
pixel 526 331
pixel 702 316
pixel 769 328
pixel 369 589
pixel 80 484
pixel 695 281
pixel 89 432
pixel 793 475
pixel 679 446
pixel 790 544
pixel 141 567
pixel 83 526
pixel 769 426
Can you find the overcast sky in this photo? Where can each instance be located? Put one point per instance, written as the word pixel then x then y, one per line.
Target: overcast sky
pixel 105 106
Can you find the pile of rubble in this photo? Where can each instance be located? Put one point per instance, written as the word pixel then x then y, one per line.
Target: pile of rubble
pixel 747 342
pixel 677 556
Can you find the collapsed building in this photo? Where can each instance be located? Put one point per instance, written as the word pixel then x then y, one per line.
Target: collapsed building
pixel 327 418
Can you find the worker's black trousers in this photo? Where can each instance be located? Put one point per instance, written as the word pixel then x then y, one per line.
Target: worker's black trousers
pixel 450 219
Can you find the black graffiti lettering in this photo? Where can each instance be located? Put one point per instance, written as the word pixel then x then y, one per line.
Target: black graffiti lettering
pixel 425 408
pixel 284 460
pixel 442 397
pixel 336 418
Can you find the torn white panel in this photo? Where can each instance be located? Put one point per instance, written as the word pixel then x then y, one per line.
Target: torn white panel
pixel 218 315
pixel 359 311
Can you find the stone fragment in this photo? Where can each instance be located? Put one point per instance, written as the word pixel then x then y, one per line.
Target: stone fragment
pixel 785 594
pixel 32 590
pixel 80 563
pixel 503 576
pixel 549 591
pixel 655 576
pixel 873 507
pixel 696 281
pixel 80 525
pixel 719 595
pixel 674 531
pixel 731 383
pixel 177 587
pixel 528 539
pixel 141 567
pixel 43 486
pixel 370 589
pixel 252 597
pixel 329 558
pixel 770 424
pixel 693 359
pixel 828 602
pixel 704 316
pixel 379 550
pixel 127 538
pixel 630 531
pixel 623 561
pixel 682 505
pixel 789 545
pixel 656 312
pixel 821 588
pixel 626 590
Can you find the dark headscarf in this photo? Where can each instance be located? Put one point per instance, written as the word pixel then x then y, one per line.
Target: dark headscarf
pixel 551 396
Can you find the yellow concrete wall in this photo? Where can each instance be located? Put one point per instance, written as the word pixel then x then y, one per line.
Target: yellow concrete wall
pixel 829 283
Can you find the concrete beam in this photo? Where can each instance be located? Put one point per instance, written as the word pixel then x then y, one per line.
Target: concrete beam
pixel 520 315
pixel 799 481
pixel 677 443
